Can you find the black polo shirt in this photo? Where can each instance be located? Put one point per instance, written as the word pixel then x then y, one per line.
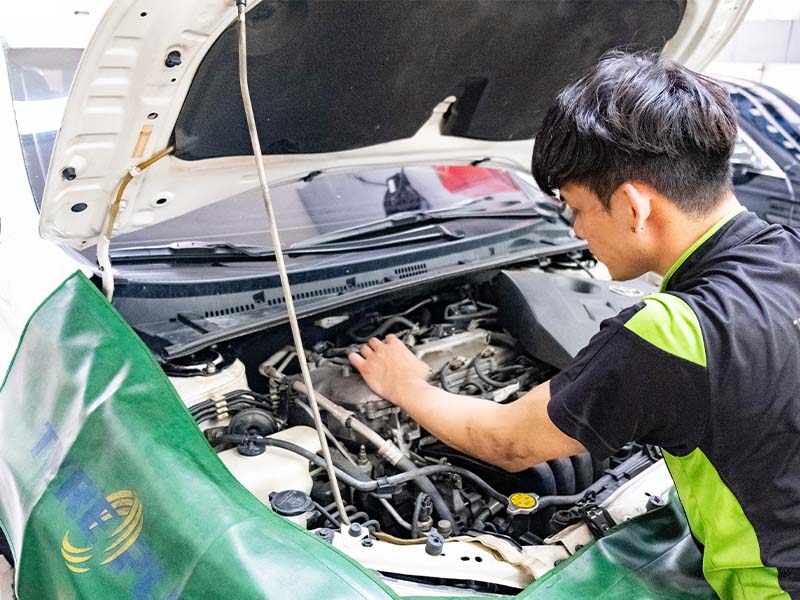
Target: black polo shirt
pixel 709 369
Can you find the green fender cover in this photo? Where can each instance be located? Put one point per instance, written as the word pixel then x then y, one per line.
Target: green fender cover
pixel 109 490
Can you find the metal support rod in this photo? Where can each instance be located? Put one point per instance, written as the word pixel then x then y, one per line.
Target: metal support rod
pixel 276 243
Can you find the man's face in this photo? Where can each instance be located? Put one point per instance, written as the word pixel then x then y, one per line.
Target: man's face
pixel 607 231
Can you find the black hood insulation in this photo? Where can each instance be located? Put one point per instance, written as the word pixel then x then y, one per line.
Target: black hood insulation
pixel 334 75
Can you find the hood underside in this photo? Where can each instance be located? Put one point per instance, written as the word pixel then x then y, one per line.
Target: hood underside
pixel 331 76
pixel 335 84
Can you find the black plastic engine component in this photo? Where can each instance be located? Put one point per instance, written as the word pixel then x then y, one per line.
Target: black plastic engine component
pixel 253 421
pixel 563 477
pixel 205 362
pixel 554 316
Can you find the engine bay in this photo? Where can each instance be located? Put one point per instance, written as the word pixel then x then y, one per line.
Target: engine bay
pixel 420 512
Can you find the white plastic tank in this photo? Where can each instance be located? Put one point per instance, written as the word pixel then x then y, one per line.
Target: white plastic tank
pixel 204 387
pixel 276 469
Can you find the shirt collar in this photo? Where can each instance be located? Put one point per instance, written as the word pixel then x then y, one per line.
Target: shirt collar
pixel 703 238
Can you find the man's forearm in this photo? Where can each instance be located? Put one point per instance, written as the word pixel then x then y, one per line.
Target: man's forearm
pixel 512 436
pixel 472 425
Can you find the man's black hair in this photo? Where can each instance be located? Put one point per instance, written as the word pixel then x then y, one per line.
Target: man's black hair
pixel 640 117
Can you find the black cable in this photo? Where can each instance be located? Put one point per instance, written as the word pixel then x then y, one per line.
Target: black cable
pixel 240 395
pixel 372 524
pixel 495 337
pixel 369 181
pixel 362 486
pixel 347 509
pixel 479 391
pixel 488 380
pixel 583 267
pixel 327 515
pixel 232 408
pixel 359 515
pixel 443 379
pixel 382 328
pixel 228 406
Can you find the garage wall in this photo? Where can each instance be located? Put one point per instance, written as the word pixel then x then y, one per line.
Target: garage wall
pixel 766 47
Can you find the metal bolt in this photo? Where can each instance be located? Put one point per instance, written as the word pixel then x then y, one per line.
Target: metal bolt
pixel 654 502
pixel 326 534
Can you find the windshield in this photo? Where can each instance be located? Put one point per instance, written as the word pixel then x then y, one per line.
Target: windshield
pixel 40 80
pixel 327 203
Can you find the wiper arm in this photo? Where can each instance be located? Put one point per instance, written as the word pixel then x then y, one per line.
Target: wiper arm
pixel 390 238
pixel 404 221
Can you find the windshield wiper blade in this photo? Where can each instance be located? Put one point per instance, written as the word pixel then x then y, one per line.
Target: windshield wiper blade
pixel 202 251
pixel 191 250
pixel 404 221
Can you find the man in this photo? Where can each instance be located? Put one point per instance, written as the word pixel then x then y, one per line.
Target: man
pixel 708 368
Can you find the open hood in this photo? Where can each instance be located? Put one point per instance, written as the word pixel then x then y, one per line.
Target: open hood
pixel 335 84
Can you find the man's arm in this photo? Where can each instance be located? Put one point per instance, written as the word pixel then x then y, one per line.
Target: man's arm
pixel 512 436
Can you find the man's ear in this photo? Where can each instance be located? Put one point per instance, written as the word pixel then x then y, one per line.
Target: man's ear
pixel 635 201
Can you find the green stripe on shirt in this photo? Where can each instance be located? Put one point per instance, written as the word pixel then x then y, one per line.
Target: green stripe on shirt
pixel 732 557
pixel 670 324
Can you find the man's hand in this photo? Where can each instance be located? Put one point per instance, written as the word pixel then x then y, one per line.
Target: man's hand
pixel 389 367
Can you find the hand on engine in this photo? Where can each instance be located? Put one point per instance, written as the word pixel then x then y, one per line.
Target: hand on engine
pixel 389 367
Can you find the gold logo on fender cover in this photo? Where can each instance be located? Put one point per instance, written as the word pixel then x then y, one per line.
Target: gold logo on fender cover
pixel 127 512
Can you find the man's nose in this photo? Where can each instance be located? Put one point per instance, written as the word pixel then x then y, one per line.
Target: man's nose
pixel 577 227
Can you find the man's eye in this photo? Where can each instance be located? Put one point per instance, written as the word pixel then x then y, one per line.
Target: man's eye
pixel 569 214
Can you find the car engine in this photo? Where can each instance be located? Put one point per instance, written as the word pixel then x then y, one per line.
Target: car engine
pixel 409 497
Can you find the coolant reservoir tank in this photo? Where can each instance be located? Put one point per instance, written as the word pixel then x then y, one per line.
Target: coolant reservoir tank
pixel 202 387
pixel 275 470
pixel 205 387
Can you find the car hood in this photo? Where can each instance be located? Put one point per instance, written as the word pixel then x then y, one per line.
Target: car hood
pixel 335 84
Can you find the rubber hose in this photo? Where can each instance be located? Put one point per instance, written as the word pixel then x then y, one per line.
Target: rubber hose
pixel 564 475
pixel 383 328
pixel 582 464
pixel 350 420
pixel 368 485
pixel 426 485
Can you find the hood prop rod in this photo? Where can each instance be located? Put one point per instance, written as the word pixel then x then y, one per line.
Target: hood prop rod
pixel 276 243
